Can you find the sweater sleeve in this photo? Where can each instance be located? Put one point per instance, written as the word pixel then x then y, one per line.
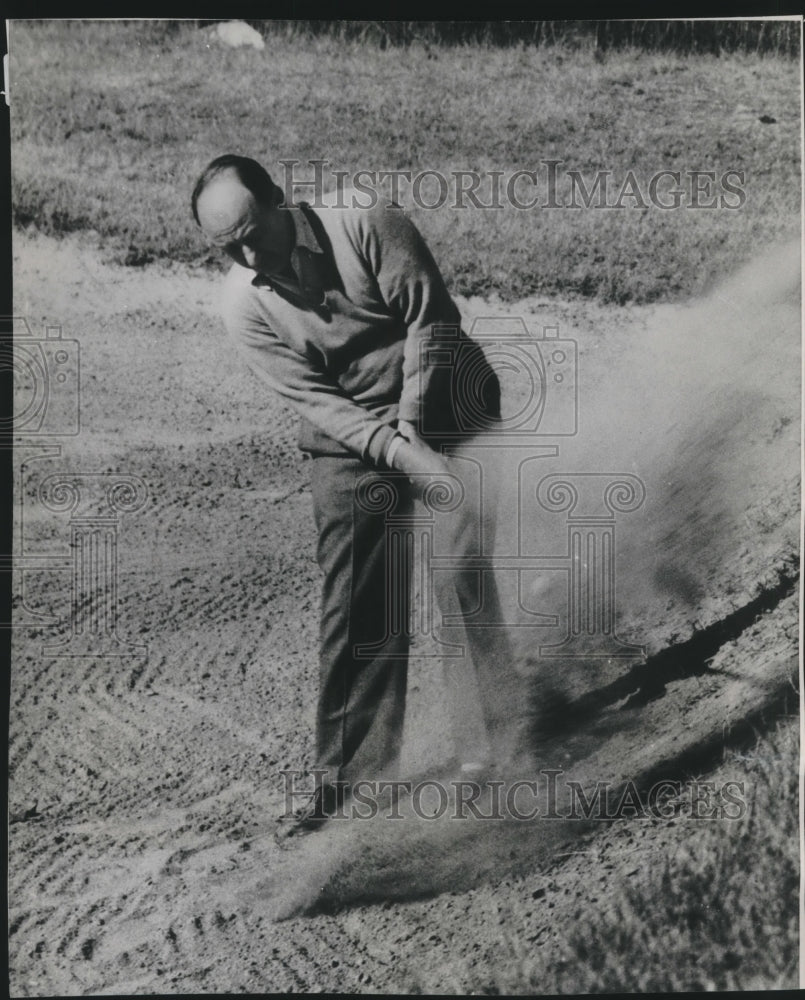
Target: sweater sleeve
pixel 413 288
pixel 305 387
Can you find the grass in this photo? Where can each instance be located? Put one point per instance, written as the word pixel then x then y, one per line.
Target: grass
pixel 779 37
pixel 720 914
pixel 112 122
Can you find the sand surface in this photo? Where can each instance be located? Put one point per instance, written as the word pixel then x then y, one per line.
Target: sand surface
pixel 145 782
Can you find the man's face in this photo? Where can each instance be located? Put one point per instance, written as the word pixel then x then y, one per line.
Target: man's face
pixel 254 235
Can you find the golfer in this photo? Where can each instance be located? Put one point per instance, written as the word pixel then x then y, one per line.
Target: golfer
pixel 331 308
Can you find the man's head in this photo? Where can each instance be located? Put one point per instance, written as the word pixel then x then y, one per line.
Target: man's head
pixel 237 206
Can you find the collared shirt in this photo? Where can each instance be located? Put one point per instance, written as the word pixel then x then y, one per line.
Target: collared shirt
pixel 302 281
pixel 342 338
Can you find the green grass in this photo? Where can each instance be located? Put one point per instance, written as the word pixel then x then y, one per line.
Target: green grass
pixel 721 913
pixel 112 122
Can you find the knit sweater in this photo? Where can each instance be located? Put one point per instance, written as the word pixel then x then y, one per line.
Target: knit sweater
pixel 340 336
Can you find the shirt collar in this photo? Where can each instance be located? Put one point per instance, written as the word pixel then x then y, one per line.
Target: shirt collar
pixel 305 237
pixel 304 264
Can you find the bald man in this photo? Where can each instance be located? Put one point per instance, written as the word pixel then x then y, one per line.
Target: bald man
pixel 331 309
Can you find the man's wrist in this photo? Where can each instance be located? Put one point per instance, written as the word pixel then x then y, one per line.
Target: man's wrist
pixel 392 448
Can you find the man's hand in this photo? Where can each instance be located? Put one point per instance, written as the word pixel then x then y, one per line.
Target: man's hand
pixel 420 463
pixel 408 431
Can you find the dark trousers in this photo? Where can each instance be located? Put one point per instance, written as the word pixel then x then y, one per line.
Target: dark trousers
pixel 361 707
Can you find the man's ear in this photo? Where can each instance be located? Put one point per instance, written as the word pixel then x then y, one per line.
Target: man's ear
pixel 277 196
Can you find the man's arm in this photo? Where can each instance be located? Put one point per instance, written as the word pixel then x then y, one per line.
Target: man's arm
pixel 417 460
pixel 322 401
pixel 412 286
pixel 309 390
